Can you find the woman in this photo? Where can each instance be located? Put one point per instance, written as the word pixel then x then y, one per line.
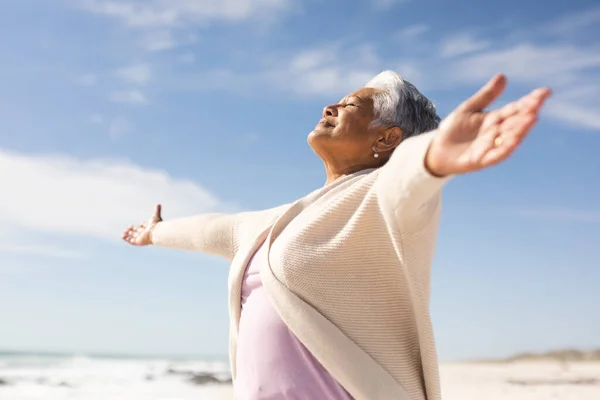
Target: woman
pixel 329 296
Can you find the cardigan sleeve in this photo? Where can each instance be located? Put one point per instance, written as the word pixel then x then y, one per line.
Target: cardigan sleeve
pixel 216 234
pixel 209 233
pixel 405 185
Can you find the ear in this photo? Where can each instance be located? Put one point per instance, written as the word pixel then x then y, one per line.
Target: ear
pixel 389 140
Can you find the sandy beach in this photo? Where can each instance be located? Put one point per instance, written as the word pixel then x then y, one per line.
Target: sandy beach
pixel 541 380
pixel 37 377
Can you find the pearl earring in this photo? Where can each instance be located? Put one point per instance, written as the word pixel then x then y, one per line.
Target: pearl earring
pixel 376 155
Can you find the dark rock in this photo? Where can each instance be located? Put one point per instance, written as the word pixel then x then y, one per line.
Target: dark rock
pixel 173 371
pixel 203 379
pixel 4 382
pixel 149 377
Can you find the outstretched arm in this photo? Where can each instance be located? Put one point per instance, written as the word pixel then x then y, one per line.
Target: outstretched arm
pixel 208 233
pixel 468 140
pixel 217 234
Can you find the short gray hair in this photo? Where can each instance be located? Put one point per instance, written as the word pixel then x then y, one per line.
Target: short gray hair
pixel 399 103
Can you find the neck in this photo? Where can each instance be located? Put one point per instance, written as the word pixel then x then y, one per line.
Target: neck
pixel 334 173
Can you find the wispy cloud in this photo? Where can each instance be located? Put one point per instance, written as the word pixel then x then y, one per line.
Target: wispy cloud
pixel 412 32
pixel 573 22
pixel 325 70
pixel 136 74
pixel 461 44
pixel 129 96
pixel 40 250
pixel 530 63
pixel 158 41
pixel 93 198
pixel 163 13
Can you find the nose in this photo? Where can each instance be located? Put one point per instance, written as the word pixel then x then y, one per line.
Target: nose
pixel 330 111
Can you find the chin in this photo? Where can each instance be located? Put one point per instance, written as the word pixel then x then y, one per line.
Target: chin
pixel 321 131
pixel 316 139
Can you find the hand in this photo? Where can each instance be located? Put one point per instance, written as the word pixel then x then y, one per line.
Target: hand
pixel 470 139
pixel 141 235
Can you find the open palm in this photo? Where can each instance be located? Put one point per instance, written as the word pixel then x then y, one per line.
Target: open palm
pixel 471 139
pixel 141 235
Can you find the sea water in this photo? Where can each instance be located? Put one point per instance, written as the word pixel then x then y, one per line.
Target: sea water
pixel 29 376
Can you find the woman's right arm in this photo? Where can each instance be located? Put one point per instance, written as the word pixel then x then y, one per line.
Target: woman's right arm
pixel 217 234
pixel 208 233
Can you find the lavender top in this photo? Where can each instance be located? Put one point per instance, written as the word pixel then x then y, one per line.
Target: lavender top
pixel 271 361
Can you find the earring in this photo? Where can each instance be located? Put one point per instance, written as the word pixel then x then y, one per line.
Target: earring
pixel 375 153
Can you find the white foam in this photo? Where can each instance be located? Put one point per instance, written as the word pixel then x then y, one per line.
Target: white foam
pixel 84 378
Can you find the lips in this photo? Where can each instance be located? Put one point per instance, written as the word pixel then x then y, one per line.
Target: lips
pixel 324 122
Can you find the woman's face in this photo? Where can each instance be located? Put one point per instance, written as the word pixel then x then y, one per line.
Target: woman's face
pixel 345 131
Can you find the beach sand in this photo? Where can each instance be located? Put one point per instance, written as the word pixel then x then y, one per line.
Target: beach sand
pixel 521 381
pixel 515 381
pixel 100 379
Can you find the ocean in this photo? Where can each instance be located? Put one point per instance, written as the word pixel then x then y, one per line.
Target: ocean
pixel 51 376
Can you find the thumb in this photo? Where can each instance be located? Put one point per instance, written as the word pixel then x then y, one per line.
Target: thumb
pixel 486 95
pixel 157 216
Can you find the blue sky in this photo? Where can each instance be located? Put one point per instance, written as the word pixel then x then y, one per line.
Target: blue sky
pixel 108 107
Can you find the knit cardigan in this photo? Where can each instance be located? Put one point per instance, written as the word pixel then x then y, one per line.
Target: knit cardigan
pixel 348 272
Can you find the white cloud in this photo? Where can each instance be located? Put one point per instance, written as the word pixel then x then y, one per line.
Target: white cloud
pixel 576 114
pixel 462 44
pixel 568 69
pixel 573 22
pixel 136 74
pixel 40 250
pixel 328 70
pixel 412 32
pixel 322 71
pixel 158 41
pixel 129 96
pixel 529 63
pixel 168 13
pixel 90 198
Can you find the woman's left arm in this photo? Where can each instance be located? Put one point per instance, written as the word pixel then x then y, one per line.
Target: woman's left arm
pixel 406 185
pixel 469 139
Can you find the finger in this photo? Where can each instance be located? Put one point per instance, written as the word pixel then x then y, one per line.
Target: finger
pixel 486 95
pixel 510 140
pixel 157 213
pixel 127 232
pixel 490 128
pixel 534 100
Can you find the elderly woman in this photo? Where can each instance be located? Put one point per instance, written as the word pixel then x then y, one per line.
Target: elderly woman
pixel 329 295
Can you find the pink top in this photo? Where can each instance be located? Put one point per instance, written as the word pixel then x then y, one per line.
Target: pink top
pixel 271 361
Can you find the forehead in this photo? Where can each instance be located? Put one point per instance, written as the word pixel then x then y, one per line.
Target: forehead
pixel 365 94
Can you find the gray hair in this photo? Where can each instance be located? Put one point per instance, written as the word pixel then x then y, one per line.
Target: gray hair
pixel 399 103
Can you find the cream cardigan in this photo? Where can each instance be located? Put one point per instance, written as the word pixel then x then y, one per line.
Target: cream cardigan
pixel 348 271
